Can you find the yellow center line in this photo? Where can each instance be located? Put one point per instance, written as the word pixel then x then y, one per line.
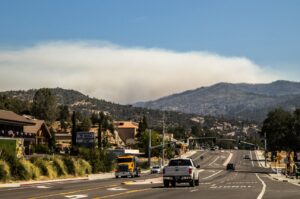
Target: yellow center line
pixel 121 194
pixel 71 192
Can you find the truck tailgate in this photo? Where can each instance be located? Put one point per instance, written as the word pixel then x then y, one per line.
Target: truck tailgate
pixel 177 171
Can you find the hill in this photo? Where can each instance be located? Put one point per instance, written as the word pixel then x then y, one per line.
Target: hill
pixel 235 101
pixel 77 101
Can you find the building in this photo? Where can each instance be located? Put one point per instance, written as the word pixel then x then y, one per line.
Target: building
pixel 127 130
pixel 32 131
pixel 40 130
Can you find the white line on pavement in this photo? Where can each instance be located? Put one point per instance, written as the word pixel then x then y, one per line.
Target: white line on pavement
pixel 228 159
pixel 258 160
pixel 251 159
pixel 263 189
pixel 212 175
pixel 214 161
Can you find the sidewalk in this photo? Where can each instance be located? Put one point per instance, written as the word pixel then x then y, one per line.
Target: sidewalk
pixel 276 176
pixel 283 178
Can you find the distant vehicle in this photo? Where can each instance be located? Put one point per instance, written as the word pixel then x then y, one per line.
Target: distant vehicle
pixel 247 157
pixel 235 148
pixel 230 167
pixel 155 169
pixel 181 170
pixel 212 149
pixel 127 165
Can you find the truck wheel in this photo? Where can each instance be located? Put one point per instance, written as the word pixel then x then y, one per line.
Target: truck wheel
pixel 173 183
pixel 197 182
pixel 192 183
pixel 117 176
pixel 166 183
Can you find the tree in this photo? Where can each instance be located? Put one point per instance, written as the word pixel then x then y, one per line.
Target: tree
pixel 94 118
pixel 86 124
pixel 52 140
pixel 44 105
pixel 64 113
pixel 278 128
pixel 105 123
pixel 74 129
pixel 295 137
pixel 155 140
pixel 143 125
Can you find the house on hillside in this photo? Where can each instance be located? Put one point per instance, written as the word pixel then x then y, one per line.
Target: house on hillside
pixel 127 130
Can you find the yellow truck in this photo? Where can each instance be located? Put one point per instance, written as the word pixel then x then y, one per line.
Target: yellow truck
pixel 127 165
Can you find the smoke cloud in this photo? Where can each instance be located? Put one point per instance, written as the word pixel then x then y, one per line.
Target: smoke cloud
pixel 121 74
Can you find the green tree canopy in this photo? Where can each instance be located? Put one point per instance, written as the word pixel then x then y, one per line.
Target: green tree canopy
pixel 44 105
pixel 278 127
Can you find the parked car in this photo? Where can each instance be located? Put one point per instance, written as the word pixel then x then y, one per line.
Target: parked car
pixel 230 167
pixel 156 169
pixel 181 170
pixel 247 157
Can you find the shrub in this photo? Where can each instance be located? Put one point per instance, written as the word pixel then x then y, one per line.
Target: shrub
pixel 70 165
pixel 100 160
pixel 17 170
pixel 30 171
pixel 45 166
pixel 59 166
pixel 4 171
pixel 85 167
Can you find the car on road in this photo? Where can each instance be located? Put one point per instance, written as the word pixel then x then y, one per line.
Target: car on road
pixel 247 157
pixel 181 170
pixel 155 169
pixel 230 167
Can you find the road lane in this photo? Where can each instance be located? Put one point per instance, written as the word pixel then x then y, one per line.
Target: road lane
pixel 215 182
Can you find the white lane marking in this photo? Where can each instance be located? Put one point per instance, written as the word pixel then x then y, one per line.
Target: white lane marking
pixel 211 175
pixel 263 189
pixel 228 159
pixel 193 190
pixel 42 187
pixel 251 159
pixel 200 155
pixel 76 196
pixel 117 189
pixel 229 187
pixel 213 161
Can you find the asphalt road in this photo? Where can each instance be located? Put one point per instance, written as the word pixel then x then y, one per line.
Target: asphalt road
pixel 248 181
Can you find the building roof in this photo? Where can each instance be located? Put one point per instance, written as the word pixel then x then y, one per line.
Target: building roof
pixel 35 128
pixel 11 117
pixel 126 124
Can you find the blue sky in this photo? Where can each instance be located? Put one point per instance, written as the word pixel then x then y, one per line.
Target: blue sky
pixel 266 32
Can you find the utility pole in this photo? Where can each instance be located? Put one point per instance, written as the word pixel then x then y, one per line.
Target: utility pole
pixel 149 148
pixel 163 141
pixel 265 135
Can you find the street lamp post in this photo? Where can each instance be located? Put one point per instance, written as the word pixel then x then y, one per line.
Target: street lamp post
pixel 149 149
pixel 265 136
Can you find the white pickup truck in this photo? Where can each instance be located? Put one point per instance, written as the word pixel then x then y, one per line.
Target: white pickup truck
pixel 181 170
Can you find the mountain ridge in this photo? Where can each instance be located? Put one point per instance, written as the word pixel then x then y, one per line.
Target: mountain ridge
pixel 236 101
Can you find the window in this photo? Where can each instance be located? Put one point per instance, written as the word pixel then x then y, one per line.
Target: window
pixel 180 162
